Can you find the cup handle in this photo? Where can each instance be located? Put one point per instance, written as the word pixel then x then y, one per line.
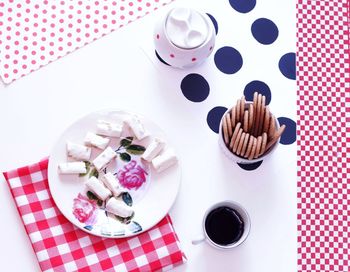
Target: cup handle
pixel 198 240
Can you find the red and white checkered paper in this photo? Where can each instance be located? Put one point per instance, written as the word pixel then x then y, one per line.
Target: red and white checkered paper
pixel 323 136
pixel 34 33
pixel 60 246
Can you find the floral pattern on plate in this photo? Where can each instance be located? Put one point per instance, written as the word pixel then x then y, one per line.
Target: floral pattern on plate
pixel 132 175
pixel 148 193
pixel 85 210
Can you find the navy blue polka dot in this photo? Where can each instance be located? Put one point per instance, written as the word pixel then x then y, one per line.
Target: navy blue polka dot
pixel 195 88
pixel 257 86
pixel 215 23
pixel 214 117
pixel 243 6
pixel 264 31
pixel 228 60
pixel 250 166
pixel 287 65
pixel 160 59
pixel 290 133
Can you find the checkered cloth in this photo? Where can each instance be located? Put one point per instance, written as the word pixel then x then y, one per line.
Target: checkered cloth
pixel 323 136
pixel 60 246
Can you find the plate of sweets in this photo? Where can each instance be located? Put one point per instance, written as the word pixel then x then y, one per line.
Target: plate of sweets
pixel 114 174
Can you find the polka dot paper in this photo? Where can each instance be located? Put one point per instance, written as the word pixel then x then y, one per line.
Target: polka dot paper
pixel 249 58
pixel 35 33
pixel 320 67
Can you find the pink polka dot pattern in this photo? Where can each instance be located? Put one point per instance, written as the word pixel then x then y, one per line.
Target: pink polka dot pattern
pixel 35 33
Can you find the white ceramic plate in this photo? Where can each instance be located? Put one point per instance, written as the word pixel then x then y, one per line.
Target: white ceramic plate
pixel 152 193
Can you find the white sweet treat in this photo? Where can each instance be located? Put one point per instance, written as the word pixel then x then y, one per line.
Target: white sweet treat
pixel 118 208
pixel 111 182
pixel 91 139
pixel 137 127
pixel 165 160
pixel 78 152
pixel 186 28
pixel 109 129
pixel 72 168
pixel 154 148
pixel 97 187
pixel 104 158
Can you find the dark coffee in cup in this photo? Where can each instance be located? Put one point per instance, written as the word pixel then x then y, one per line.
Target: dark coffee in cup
pixel 224 226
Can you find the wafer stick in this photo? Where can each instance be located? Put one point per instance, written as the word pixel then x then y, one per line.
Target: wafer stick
pixel 242 108
pixel 245 144
pixel 252 153
pixel 272 128
pixel 266 120
pixel 233 116
pixel 255 109
pixel 229 125
pixel 246 121
pixel 240 144
pixel 263 144
pixel 235 145
pixel 257 118
pixel 238 111
pixel 225 131
pixel 262 114
pixel 249 147
pixel 251 118
pixel 258 147
pixel 233 138
pixel 276 136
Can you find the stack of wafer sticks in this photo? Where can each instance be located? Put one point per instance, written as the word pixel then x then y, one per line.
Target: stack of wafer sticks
pixel 249 129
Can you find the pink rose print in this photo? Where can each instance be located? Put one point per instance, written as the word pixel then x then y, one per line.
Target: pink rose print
pixel 85 210
pixel 132 176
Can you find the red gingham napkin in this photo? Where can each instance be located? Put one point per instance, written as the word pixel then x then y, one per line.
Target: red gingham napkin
pixel 323 136
pixel 60 246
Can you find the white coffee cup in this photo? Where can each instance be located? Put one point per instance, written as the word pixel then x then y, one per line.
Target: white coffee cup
pixel 244 216
pixel 184 37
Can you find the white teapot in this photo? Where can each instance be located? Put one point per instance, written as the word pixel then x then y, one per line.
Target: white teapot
pixel 184 37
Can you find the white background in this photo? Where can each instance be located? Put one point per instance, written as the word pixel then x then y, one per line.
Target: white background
pixel 119 71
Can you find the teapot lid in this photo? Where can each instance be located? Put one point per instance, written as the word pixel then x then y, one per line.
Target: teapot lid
pixel 186 28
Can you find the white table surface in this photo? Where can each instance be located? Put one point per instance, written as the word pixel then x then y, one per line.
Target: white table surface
pixel 114 72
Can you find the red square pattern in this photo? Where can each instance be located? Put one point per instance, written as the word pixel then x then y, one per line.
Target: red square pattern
pixel 323 135
pixel 56 241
